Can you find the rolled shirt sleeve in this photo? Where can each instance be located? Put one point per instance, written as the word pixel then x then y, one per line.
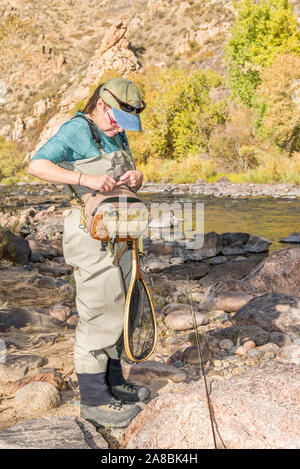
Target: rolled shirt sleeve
pixel 73 141
pixel 54 150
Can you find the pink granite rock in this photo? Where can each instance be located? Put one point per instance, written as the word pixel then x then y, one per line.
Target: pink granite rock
pixel 257 409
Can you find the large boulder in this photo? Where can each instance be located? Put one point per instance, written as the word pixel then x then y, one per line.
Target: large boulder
pixel 257 409
pixel 278 273
pixel 14 248
pixel 273 312
pixel 207 245
pixel 37 397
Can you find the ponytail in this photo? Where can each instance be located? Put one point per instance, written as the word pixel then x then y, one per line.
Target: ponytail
pixel 92 102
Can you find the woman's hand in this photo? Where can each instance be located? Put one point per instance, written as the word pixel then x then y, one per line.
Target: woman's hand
pixel 101 182
pixel 132 178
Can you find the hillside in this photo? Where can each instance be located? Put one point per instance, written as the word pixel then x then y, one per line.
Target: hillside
pixel 52 52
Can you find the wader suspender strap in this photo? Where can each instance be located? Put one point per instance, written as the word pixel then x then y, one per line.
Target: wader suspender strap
pixel 95 133
pixel 97 140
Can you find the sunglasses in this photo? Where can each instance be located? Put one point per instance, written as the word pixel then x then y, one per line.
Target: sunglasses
pixel 127 107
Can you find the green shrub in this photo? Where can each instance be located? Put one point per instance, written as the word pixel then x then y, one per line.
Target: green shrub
pixel 262 31
pixel 180 114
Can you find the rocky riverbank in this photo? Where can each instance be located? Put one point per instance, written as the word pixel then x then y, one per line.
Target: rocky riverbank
pixel 221 188
pixel 246 307
pixel 224 188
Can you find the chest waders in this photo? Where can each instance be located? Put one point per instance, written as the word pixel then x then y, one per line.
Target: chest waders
pixel 102 273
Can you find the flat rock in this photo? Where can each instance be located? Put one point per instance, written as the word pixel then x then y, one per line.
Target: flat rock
pixel 149 371
pixel 193 270
pixel 183 320
pixel 293 238
pixel 278 273
pixel 157 265
pixel 233 251
pixel 225 344
pixel 55 269
pixel 176 260
pixel 280 339
pixel 230 270
pixel 47 375
pixel 232 238
pixel 241 334
pixel 232 301
pixel 17 366
pixel 257 244
pixel 20 317
pixel 218 260
pixel 45 282
pixel 258 409
pixel 162 248
pixel 66 432
pixel 43 247
pixel 272 312
pixel 173 307
pixel 176 343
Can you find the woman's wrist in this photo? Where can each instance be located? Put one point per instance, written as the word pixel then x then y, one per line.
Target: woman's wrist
pixel 82 180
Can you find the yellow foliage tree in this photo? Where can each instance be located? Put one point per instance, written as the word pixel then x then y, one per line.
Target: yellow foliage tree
pixel 281 121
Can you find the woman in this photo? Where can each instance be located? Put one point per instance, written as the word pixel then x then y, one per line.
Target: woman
pixel 91 151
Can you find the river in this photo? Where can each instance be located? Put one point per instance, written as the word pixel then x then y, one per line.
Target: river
pixel 268 217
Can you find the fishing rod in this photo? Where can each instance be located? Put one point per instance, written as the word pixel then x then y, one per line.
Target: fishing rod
pixel 210 409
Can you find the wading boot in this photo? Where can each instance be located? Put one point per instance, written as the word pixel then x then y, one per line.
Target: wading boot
pixel 99 406
pixel 130 393
pixel 115 414
pixel 123 390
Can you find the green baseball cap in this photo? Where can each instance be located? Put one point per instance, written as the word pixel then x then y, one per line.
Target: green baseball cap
pixel 126 102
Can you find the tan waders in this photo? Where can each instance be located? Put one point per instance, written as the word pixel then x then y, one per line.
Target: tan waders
pixel 102 278
pixel 100 294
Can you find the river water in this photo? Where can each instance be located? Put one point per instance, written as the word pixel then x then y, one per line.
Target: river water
pixel 270 218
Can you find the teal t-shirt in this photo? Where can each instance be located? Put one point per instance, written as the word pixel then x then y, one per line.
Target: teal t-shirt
pixel 73 141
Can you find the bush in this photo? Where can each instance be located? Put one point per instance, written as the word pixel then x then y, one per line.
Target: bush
pixel 234 142
pixel 181 115
pixel 187 170
pixel 12 164
pixel 262 31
